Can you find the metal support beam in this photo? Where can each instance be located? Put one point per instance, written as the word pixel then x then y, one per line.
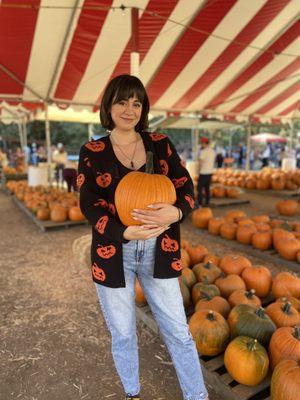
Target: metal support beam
pixel 48 143
pixel 134 55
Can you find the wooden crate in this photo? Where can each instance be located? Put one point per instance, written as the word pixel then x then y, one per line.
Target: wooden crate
pixel 214 371
pixel 46 225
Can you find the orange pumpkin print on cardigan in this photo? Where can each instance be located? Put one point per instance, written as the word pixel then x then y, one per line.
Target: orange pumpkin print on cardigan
pixel 106 251
pixel 164 167
pixel 157 136
pixel 95 146
pixel 103 180
pixel 179 182
pixel 87 162
pixel 168 244
pixel 98 273
pixel 101 224
pixel 190 200
pixel 102 203
pixel 111 208
pixel 80 180
pixel 176 265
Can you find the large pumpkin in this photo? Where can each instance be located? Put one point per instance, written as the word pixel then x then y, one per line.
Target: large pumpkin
pixel 287 207
pixel 137 190
pixel 217 303
pixel 252 321
pixel 210 332
pixel 285 382
pixel 59 214
pixel 285 284
pixel 246 360
pixel 285 345
pixel 258 278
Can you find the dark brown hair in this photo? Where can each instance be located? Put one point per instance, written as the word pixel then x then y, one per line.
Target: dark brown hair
pixel 124 87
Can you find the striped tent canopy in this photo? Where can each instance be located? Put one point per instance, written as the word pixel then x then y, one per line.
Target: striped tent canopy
pixel 231 59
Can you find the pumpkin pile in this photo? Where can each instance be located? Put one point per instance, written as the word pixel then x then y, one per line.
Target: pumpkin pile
pixel 267 178
pixel 260 231
pixel 47 203
pixel 226 294
pixel 20 169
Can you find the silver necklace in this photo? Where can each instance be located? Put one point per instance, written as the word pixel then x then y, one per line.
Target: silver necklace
pixel 125 155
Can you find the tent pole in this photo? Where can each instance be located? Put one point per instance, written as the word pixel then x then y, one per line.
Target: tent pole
pixel 90 131
pixel 248 148
pixel 20 130
pixel 48 143
pixel 134 55
pixel 25 141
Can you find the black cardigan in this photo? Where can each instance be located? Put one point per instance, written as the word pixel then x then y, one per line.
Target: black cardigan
pixel 98 177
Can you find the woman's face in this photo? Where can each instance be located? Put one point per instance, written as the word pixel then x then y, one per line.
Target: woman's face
pixel 126 113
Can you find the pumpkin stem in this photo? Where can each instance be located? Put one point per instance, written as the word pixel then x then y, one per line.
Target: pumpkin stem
pixel 205 296
pixel 286 307
pixel 252 344
pixel 149 162
pixel 296 332
pixel 205 280
pixel 211 315
pixel 207 265
pixel 260 312
pixel 250 293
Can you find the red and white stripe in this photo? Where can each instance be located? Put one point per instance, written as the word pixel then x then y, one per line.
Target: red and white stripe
pixel 233 57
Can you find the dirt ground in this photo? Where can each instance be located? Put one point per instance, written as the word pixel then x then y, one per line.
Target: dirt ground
pixel 53 341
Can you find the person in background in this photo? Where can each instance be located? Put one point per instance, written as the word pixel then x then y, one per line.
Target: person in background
pixel 219 159
pixel 41 154
pixel 266 155
pixel 60 158
pixel 240 155
pixel 206 169
pixel 70 175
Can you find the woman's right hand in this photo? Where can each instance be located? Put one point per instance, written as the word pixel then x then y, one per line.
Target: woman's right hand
pixel 143 232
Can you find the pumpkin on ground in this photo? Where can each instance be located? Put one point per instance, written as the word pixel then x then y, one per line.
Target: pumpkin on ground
pixel 244 297
pixel 188 277
pixel 43 214
pixel 228 230
pixel 196 253
pixel 244 233
pixel 287 207
pixel 246 360
pixel 294 302
pixel 59 214
pixel 201 217
pixel 234 264
pixel 229 284
pixel 202 290
pixel 285 284
pixel 214 225
pixel 252 321
pixel 212 258
pixel 234 215
pixel 75 214
pixel 262 240
pixel 285 382
pixel 137 190
pixel 285 345
pixel 210 332
pixel 217 303
pixel 185 258
pixel 283 314
pixel 288 248
pixel 258 278
pixel 186 296
pixel 140 298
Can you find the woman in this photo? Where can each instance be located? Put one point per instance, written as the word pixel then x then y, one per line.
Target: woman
pixel 147 251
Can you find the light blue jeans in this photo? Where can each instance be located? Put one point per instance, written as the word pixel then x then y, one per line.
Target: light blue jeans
pixel 165 300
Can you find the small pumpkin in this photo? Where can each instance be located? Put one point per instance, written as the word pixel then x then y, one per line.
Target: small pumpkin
pixel 234 263
pixel 246 360
pixel 217 303
pixel 75 214
pixel 234 215
pixel 262 240
pixel 229 284
pixel 252 321
pixel 59 214
pixel 258 278
pixel 212 258
pixel 188 277
pixel 287 207
pixel 285 284
pixel 244 233
pixel 283 314
pixel 137 190
pixel 210 332
pixel 244 297
pixel 202 290
pixel 285 382
pixel 215 224
pixel 228 230
pixel 186 296
pixel 196 253
pixel 285 345
pixel 140 298
pixel 288 248
pixel 206 272
pixel 201 217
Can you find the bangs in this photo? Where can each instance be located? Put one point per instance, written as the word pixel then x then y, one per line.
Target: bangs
pixel 126 91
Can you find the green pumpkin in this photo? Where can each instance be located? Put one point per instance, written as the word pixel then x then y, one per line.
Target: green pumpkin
pixel 251 321
pixel 203 290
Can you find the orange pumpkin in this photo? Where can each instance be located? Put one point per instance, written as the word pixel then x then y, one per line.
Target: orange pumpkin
pixel 140 298
pixel 285 345
pixel 210 332
pixel 75 214
pixel 234 264
pixel 138 190
pixel 215 224
pixel 58 214
pixel 285 382
pixel 185 258
pixel 197 253
pixel 233 215
pixel 288 248
pixel 43 214
pixel 244 297
pixel 201 217
pixel 228 230
pixel 283 314
pixel 244 233
pixel 285 284
pixel 217 303
pixel 246 360
pixel 280 234
pixel 258 278
pixel 262 240
pixel 212 258
pixel 287 207
pixel 230 283
pixel 294 302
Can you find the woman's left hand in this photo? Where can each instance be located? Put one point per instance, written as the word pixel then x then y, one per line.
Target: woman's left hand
pixel 159 213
